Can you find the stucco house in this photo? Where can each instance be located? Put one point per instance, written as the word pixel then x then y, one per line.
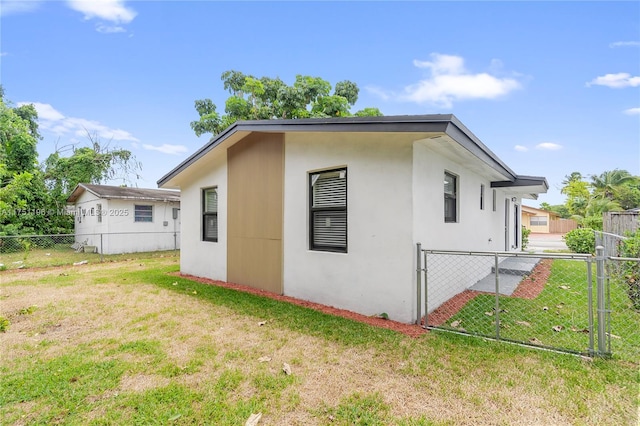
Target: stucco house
pixel 330 210
pixel 117 219
pixel 545 222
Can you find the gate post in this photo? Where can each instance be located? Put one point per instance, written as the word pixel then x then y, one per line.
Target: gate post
pixel 418 283
pixel 590 302
pixel 601 303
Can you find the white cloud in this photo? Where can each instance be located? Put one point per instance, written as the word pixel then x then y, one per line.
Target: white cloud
pixel 14 7
pixel 549 146
pixel 632 111
pixel 450 81
pixel 108 10
pixel 521 148
pixel 625 44
pixel 4 53
pixel 55 122
pixel 616 81
pixel 167 148
pixel 109 29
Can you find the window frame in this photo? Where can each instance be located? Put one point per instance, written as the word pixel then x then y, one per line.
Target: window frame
pixel 313 245
pixel 99 212
pixel 209 214
pixel 448 197
pixel 482 196
pixel 538 219
pixel 137 218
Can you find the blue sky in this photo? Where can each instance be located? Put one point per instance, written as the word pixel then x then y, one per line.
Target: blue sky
pixel 550 87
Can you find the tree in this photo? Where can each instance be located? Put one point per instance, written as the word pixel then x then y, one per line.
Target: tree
pixel 89 164
pixel 607 183
pixel 268 98
pixel 32 196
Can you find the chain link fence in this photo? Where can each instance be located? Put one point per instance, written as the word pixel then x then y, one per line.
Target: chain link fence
pixel 565 302
pixel 25 251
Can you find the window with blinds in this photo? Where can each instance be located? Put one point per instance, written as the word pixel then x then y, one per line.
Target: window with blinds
pixel 210 214
pixel 450 198
pixel 143 213
pixel 328 215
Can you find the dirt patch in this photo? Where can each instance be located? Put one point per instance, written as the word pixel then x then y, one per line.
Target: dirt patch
pixel 411 330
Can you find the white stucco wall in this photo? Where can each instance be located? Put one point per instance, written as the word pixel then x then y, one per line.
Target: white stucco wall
pixel 376 274
pixel 197 257
pixel 120 232
pixel 476 229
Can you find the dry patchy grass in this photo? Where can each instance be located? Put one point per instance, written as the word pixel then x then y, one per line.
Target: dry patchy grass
pixel 154 338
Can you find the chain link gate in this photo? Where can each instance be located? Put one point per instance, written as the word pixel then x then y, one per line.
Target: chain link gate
pixel 555 301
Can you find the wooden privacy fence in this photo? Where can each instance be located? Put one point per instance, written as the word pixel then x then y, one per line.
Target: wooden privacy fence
pixel 562 226
pixel 620 223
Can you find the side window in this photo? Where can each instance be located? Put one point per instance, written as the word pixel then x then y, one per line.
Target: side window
pixel 481 196
pixel 450 198
pixel 328 210
pixel 494 200
pixel 143 213
pixel 99 212
pixel 210 214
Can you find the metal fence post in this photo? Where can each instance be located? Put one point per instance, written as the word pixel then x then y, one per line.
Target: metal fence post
pixel 426 289
pixel 600 301
pixel 590 302
pixel 418 283
pixel 497 307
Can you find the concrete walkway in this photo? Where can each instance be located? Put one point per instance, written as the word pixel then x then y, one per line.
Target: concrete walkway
pixel 510 272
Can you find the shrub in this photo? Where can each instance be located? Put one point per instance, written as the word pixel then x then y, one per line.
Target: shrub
pixel 525 237
pixel 631 248
pixel 581 240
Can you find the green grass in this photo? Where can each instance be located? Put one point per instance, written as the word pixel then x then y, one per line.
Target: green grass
pixel 63 254
pixel 557 318
pixel 51 383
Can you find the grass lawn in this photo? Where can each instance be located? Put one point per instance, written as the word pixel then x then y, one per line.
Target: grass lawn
pixel 63 254
pixel 127 343
pixel 557 317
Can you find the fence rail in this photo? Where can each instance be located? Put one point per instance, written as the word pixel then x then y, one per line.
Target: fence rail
pixel 22 251
pixel 568 302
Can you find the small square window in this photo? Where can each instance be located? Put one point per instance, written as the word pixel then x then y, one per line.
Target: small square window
pixel 143 213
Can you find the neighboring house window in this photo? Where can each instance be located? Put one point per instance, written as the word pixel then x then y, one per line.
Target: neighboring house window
pixel 450 197
pixel 210 214
pixel 538 221
pixel 328 210
pixel 481 197
pixel 99 211
pixel 494 200
pixel 143 213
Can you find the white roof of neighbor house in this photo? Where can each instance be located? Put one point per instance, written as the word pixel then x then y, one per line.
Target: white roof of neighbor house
pixel 444 128
pixel 124 193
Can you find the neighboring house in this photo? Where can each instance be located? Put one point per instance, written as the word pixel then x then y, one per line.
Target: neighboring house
pixel 117 219
pixel 330 210
pixel 546 222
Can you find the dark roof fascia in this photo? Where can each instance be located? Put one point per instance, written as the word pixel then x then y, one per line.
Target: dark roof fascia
pixel 162 195
pixel 444 123
pixel 522 181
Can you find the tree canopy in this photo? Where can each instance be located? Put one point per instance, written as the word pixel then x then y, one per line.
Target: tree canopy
pixel 33 196
pixel 269 98
pixel 587 200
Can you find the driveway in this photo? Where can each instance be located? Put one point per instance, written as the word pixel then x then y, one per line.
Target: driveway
pixel 540 242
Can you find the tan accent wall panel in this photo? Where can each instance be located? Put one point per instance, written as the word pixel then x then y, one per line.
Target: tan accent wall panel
pixel 255 211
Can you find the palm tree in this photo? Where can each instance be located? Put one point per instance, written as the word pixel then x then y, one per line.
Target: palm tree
pixel 606 184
